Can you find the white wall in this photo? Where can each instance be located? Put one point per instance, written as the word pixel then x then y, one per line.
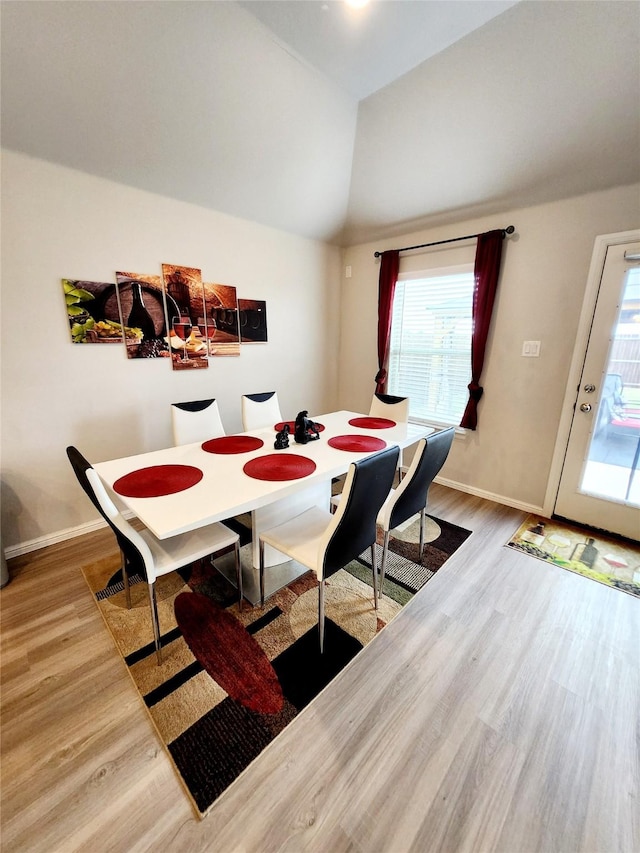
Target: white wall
pixel 58 223
pixel 540 293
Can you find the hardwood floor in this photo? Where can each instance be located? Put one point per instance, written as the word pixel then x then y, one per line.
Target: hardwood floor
pixel 500 711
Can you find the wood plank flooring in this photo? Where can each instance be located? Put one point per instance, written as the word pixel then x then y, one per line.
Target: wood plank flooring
pixel 500 711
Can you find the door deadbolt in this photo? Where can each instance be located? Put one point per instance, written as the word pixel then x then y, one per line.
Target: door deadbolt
pixel 589 389
pixel 585 407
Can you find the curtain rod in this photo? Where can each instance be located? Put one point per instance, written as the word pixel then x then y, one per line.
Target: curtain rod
pixel 508 230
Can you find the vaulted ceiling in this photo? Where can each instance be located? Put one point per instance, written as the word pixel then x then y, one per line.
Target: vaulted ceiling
pixel 335 125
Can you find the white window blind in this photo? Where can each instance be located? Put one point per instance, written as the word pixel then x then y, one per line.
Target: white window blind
pixel 430 346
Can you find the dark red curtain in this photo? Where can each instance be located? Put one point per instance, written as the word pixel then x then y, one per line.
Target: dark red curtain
pixel 486 272
pixel 389 266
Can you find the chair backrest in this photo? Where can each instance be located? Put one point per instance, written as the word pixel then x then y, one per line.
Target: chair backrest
pixel 196 420
pixel 353 526
pixel 260 410
pixel 388 406
pixel 134 549
pixel 411 495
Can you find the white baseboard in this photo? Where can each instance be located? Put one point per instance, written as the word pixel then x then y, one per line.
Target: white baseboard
pixel 53 538
pixel 91 526
pixel 490 496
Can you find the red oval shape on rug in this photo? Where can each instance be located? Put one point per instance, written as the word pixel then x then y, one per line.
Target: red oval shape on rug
pixel 228 653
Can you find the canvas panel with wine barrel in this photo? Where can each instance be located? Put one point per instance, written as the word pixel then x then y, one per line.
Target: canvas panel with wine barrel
pixel 253 321
pixel 92 311
pixel 185 304
pixel 141 305
pixel 221 319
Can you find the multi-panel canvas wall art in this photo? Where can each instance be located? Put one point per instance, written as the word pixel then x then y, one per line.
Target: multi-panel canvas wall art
pixel 92 309
pixel 223 335
pixel 253 321
pixel 142 310
pixel 175 316
pixel 186 317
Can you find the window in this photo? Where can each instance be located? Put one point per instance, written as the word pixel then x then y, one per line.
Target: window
pixel 430 347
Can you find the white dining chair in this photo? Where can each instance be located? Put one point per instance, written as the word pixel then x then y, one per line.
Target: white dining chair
pixel 390 406
pixel 325 542
pixel 412 494
pixel 195 420
pixel 394 408
pixel 260 410
pixel 143 553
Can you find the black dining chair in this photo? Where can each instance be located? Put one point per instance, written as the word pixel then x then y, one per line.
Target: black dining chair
pixel 325 542
pixel 411 495
pixel 142 552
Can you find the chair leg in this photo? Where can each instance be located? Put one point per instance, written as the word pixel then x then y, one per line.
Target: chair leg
pixel 125 581
pixel 383 564
pixel 374 569
pixel 155 622
pixel 238 574
pixel 261 573
pixel 423 518
pixel 321 614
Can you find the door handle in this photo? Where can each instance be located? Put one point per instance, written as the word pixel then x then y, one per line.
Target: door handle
pixel 585 407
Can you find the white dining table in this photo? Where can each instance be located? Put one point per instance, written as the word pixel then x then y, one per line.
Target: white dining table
pixel 225 490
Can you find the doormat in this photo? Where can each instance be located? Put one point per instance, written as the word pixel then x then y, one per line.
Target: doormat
pixel 613 562
pixel 232 680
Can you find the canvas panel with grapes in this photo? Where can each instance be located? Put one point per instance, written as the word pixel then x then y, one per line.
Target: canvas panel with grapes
pixel 92 311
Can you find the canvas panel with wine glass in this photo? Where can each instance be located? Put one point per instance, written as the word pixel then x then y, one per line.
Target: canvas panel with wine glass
pixel 221 319
pixel 186 310
pixel 141 306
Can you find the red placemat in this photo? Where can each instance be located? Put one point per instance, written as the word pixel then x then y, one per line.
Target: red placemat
pixel 279 466
pixel 157 480
pixel 292 426
pixel 372 423
pixel 232 444
pixel 356 443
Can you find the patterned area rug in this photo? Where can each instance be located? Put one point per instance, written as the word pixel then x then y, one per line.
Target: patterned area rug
pixel 611 561
pixel 231 680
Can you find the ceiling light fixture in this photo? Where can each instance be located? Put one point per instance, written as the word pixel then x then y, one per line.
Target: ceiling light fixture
pixel 357 4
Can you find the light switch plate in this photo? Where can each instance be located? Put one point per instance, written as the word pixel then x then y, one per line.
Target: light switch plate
pixel 531 349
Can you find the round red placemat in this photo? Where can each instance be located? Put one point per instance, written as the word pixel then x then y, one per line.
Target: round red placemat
pixel 372 423
pixel 292 426
pixel 232 444
pixel 157 480
pixel 356 443
pixel 279 466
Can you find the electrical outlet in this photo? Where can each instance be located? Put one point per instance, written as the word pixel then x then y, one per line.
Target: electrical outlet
pixel 347 271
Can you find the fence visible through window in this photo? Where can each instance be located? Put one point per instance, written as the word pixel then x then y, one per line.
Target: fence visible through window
pixel 430 345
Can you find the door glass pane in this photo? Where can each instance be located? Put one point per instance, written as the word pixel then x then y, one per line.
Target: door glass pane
pixel 611 469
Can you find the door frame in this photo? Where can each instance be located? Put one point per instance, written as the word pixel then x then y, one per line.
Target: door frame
pixel 592 289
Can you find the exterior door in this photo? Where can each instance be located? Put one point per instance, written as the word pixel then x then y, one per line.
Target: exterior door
pixel 600 480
